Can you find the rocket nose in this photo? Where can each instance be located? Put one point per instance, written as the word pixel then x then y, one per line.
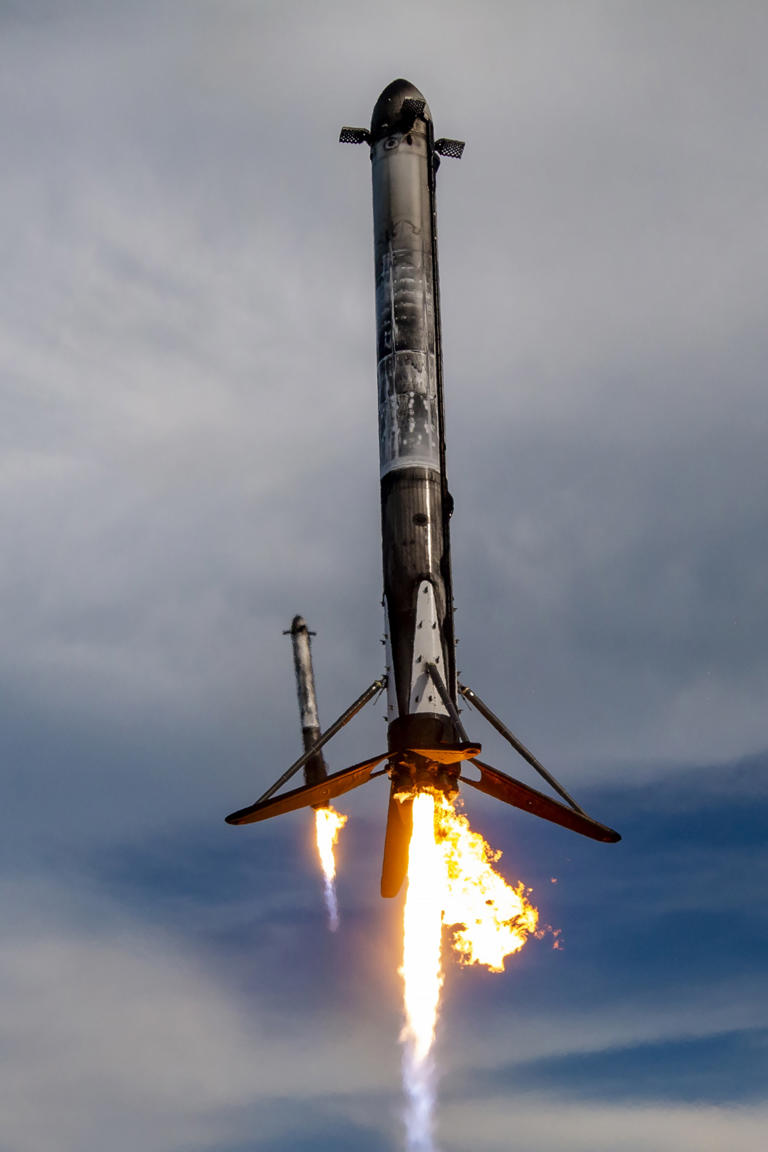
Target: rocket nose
pixel 299 624
pixel 391 108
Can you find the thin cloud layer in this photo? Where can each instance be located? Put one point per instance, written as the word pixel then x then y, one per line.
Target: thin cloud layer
pixel 111 1026
pixel 191 442
pixel 190 458
pixel 190 982
pixel 491 1124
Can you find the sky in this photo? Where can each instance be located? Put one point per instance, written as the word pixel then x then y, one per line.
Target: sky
pixel 189 459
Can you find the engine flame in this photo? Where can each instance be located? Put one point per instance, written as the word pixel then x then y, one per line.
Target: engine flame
pixel 328 824
pixel 451 883
pixel 491 920
pixel 421 971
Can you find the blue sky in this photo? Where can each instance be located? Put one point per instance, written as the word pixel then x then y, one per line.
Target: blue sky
pixel 190 458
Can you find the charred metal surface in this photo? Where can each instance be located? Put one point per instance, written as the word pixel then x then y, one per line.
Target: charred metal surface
pixel 419 731
pixel 416 773
pixel 413 536
pixel 397 840
pixel 415 506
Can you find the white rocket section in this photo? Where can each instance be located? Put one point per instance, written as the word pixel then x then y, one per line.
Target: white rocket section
pixel 427 649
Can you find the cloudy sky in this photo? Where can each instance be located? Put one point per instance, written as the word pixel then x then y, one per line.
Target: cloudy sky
pixel 190 458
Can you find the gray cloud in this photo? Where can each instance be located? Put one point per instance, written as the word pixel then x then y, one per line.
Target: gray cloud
pixel 189 457
pixel 116 1023
pixel 487 1125
pixel 114 1026
pixel 190 331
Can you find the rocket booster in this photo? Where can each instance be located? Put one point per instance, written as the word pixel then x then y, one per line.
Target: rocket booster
pixel 314 769
pixel 427 747
pixel 415 502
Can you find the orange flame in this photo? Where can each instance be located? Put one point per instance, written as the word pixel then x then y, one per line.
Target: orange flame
pixel 452 883
pixel 328 824
pixel 491 919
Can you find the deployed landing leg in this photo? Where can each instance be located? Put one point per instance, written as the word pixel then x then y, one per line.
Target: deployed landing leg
pixel 324 790
pixel 519 747
pixel 514 792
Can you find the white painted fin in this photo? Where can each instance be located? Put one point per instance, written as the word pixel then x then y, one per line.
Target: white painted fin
pixel 427 649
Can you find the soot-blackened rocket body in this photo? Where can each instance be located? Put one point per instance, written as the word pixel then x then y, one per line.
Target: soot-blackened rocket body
pixel 415 502
pixel 427 745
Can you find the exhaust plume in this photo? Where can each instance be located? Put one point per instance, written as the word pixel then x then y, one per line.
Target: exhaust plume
pixel 451 883
pixel 328 824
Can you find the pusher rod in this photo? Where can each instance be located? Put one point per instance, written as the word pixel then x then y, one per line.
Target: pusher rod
pixel 373 690
pixel 500 727
pixel 445 696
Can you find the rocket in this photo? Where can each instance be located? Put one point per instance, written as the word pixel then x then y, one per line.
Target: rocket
pixel 427 746
pixel 315 768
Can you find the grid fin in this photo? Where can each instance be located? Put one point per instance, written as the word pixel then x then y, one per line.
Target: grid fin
pixel 353 136
pixel 413 108
pixel 453 148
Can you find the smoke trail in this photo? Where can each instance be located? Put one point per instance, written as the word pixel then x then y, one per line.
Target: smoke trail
pixel 332 904
pixel 419 1080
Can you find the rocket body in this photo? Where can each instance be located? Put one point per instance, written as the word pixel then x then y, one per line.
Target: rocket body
pixel 315 769
pixel 415 503
pixel 426 739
